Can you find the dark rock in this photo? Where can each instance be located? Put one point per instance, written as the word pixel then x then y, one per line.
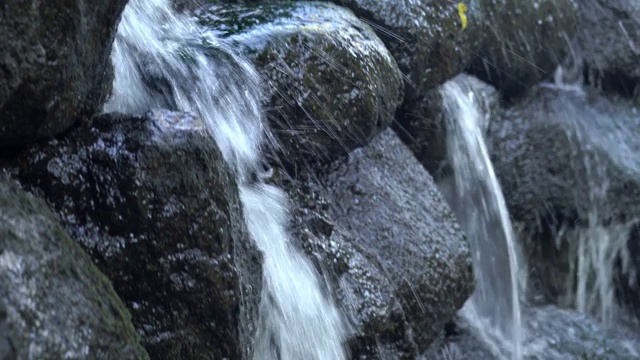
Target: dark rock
pixel 565 152
pixel 152 201
pixel 523 41
pixel 54 302
pixel 54 64
pixel 608 41
pixel 379 327
pixel 330 83
pixel 397 217
pixel 427 40
pixel 426 136
pixel 425 37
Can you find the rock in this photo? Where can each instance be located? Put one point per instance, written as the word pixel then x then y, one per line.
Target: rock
pixel 54 67
pixel 396 215
pixel 152 201
pixel 54 302
pixel 608 41
pixel 379 327
pixel 330 83
pixel 425 37
pixel 523 42
pixel 426 136
pixel 427 40
pixel 553 334
pixel 562 153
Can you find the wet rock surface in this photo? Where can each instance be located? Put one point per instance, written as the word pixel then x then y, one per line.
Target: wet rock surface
pixel 562 152
pixel 522 41
pixel 54 302
pixel 426 136
pixel 379 327
pixel 54 64
pixel 330 83
pixel 608 41
pixel 424 36
pixel 553 334
pixel 391 206
pixel 152 201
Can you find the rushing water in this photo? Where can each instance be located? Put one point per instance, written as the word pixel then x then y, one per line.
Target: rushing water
pixel 164 59
pixel 477 200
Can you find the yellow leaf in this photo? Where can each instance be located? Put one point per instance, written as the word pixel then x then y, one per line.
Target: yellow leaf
pixel 462 9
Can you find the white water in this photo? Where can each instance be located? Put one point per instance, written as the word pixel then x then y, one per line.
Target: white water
pixel 494 309
pixel 164 59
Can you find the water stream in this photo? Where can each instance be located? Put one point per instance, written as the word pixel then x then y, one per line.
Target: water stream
pixel 165 60
pixel 494 309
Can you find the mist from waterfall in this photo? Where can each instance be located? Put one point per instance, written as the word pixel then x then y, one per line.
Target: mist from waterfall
pixel 494 310
pixel 165 60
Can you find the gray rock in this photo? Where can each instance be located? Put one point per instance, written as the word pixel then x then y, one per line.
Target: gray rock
pixel 330 83
pixel 552 334
pixel 608 39
pixel 426 136
pixel 396 215
pixel 379 327
pixel 523 41
pixel 566 152
pixel 424 36
pixel 54 64
pixel 54 302
pixel 153 202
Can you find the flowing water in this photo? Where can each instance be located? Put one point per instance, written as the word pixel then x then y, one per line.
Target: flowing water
pixel 494 309
pixel 604 152
pixel 165 60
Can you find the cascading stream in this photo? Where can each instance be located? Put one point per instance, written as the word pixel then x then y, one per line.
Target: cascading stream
pixel 166 60
pixel 494 309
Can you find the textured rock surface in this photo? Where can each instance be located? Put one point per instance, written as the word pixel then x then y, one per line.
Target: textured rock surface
pixel 608 41
pixel 398 218
pixel 565 152
pixel 425 37
pixel 365 294
pixel 54 64
pixel 330 83
pixel 426 136
pixel 54 302
pixel 522 41
pixel 156 206
pixel 554 334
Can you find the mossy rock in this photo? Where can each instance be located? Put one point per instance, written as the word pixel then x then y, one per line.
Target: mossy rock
pixel 54 302
pixel 156 206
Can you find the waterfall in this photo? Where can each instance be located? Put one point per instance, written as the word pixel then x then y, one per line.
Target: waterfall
pixel 165 60
pixel 494 309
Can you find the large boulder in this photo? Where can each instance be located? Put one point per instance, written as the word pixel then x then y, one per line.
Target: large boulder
pixel 330 83
pixel 403 264
pixel 378 323
pixel 153 202
pixel 566 152
pixel 54 302
pixel 608 41
pixel 54 64
pixel 522 41
pixel 425 36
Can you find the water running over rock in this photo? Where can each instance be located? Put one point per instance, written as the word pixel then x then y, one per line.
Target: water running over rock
pixel 163 59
